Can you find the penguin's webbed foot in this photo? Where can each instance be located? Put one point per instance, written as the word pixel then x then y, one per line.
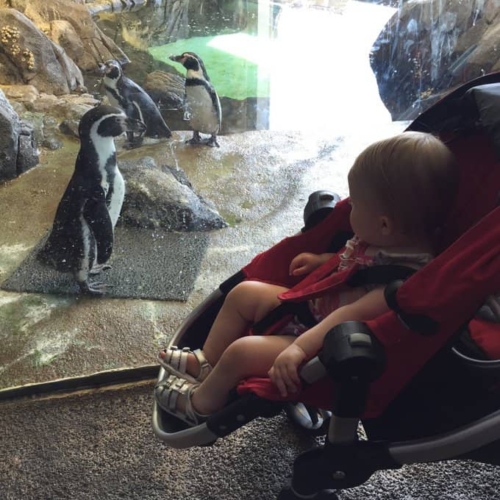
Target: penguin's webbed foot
pixel 212 142
pixel 196 139
pixel 96 289
pixel 99 268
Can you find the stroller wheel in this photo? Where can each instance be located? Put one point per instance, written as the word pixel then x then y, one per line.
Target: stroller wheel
pixel 309 418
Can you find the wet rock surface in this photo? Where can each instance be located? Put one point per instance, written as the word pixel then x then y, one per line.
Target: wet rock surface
pixel 162 197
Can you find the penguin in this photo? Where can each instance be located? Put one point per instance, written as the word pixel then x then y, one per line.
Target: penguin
pixel 81 238
pixel 125 94
pixel 201 101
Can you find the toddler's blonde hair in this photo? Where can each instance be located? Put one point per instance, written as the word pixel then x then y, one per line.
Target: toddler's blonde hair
pixel 413 177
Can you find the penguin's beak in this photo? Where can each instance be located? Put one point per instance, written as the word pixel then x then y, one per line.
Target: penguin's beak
pixel 105 68
pixel 178 59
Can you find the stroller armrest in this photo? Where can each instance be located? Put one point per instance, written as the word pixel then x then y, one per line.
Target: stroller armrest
pixel 353 358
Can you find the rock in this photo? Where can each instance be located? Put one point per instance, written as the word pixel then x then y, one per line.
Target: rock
pixel 9 144
pixel 18 152
pixel 20 93
pixel 63 33
pixel 48 114
pixel 166 89
pixel 46 103
pixel 52 143
pixel 69 127
pixel 72 27
pixel 33 58
pixel 428 47
pixel 167 92
pixel 27 156
pixel 162 197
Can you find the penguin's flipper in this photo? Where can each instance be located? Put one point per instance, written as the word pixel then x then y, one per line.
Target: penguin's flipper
pixel 97 216
pixel 216 104
pixel 147 111
pixel 134 112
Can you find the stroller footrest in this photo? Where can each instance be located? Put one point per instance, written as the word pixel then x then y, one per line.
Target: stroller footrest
pixel 241 411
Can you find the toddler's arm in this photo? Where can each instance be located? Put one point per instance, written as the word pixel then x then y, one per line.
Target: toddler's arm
pixel 306 262
pixel 284 370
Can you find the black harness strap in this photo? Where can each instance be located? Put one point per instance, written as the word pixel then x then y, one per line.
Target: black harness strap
pixel 380 275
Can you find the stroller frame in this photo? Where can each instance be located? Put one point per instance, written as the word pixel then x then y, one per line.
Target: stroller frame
pixel 354 359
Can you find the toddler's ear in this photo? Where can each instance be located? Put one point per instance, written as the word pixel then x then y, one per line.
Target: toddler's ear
pixel 386 225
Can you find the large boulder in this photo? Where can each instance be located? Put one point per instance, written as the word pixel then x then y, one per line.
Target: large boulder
pixel 162 197
pixel 30 57
pixel 18 151
pixel 70 25
pixel 428 47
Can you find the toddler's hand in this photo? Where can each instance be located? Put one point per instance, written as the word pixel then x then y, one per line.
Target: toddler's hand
pixel 304 263
pixel 284 370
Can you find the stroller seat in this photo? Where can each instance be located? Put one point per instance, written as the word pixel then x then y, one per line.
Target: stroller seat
pixel 422 378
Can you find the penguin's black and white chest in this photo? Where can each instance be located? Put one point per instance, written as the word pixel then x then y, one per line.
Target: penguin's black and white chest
pixel 109 176
pixel 203 106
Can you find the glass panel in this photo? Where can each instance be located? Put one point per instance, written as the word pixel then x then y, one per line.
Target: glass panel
pixel 303 87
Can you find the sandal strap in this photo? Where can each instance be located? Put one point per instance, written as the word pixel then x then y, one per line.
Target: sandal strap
pixel 175 362
pixel 167 393
pixel 205 366
pixel 177 358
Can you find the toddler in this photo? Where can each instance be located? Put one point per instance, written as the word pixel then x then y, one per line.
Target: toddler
pixel 401 190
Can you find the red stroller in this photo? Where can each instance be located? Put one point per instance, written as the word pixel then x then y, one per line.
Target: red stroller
pixel 423 378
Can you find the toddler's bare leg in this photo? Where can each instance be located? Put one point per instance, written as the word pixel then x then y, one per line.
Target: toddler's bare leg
pixel 247 356
pixel 245 304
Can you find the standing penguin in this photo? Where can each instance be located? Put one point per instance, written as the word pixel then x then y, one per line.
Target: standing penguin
pixel 81 240
pixel 201 100
pixel 123 93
